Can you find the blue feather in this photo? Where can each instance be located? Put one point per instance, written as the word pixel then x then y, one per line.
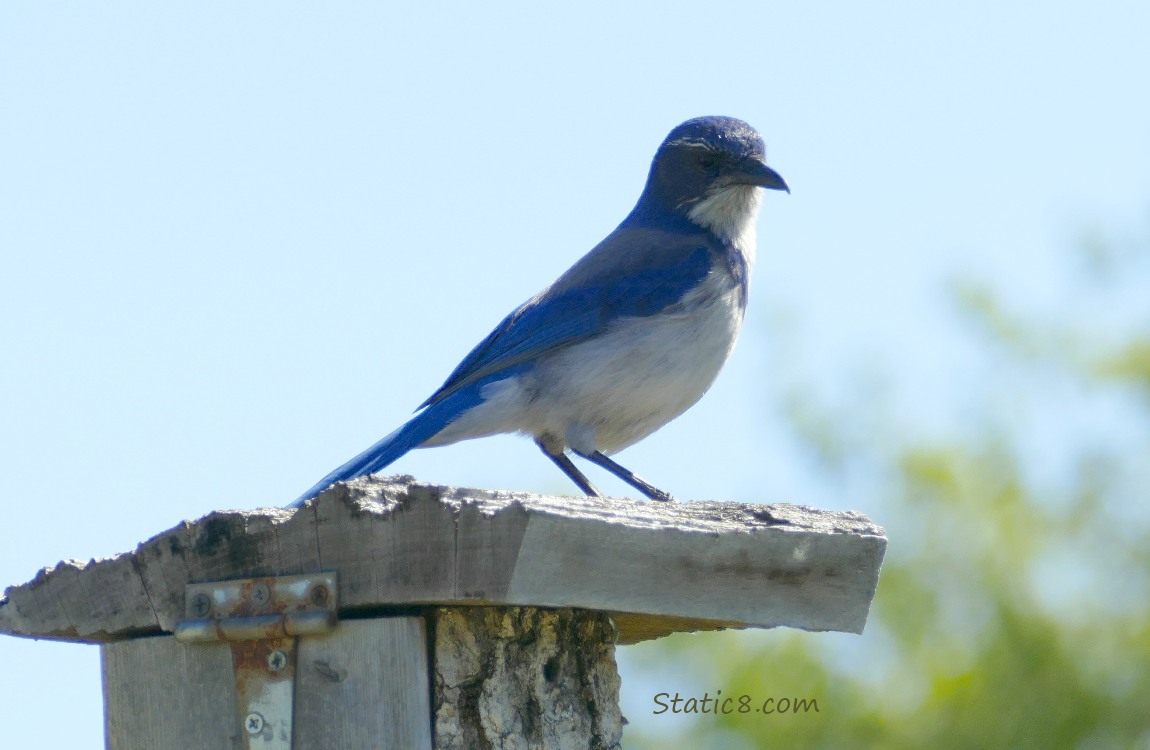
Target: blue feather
pixel 637 271
pixel 418 429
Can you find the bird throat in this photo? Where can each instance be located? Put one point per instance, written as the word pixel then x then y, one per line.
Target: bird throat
pixel 730 213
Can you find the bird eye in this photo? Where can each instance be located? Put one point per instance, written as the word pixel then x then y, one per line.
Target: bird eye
pixel 707 161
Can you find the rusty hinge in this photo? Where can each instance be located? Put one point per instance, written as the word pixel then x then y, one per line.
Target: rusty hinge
pixel 260 618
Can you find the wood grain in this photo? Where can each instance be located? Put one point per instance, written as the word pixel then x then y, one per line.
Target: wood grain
pixel 659 567
pixel 365 685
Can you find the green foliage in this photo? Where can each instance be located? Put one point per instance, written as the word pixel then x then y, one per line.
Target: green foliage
pixel 1013 609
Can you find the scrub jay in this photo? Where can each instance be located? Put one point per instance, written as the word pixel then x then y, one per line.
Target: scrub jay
pixel 630 336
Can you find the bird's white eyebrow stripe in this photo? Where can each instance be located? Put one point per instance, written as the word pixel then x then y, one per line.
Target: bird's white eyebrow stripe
pixel 693 143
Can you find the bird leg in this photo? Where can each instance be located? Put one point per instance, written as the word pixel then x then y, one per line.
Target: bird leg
pixel 627 476
pixel 570 469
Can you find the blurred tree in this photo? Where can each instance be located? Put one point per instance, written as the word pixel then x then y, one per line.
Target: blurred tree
pixel 1013 609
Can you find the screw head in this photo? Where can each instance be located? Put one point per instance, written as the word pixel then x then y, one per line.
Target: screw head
pixel 277 660
pixel 261 593
pixel 319 595
pixel 201 605
pixel 254 723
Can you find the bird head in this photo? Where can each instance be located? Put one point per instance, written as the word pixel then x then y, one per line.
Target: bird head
pixel 707 169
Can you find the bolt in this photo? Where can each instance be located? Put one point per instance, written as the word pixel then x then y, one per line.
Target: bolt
pixel 201 605
pixel 261 593
pixel 254 723
pixel 277 660
pixel 319 595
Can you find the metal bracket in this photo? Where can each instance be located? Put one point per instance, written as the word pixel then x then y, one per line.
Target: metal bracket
pixel 260 618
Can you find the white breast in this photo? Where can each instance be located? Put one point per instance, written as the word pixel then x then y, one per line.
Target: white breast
pixel 620 387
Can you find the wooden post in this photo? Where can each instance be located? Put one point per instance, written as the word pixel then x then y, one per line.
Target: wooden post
pixel 460 619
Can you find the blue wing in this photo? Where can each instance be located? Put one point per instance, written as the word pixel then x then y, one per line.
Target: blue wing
pixel 634 272
pixel 421 427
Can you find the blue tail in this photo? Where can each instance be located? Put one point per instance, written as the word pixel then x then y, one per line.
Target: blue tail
pixel 418 430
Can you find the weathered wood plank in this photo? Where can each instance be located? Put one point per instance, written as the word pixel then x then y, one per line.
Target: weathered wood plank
pixel 159 692
pixel 395 546
pixel 365 685
pixel 74 600
pixel 662 566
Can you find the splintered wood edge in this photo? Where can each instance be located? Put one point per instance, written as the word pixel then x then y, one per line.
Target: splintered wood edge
pixel 398 544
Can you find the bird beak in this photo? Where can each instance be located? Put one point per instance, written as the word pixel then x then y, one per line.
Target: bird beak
pixel 754 172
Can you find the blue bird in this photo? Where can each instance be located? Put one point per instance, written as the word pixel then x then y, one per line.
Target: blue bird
pixel 629 337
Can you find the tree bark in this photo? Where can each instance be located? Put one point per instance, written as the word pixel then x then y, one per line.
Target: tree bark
pixel 513 678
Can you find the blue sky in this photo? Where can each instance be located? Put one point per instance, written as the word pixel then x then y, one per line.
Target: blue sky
pixel 242 242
